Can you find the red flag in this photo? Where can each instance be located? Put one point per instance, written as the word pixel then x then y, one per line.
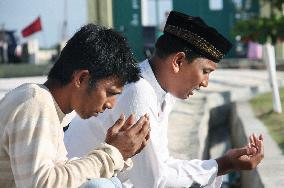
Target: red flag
pixel 32 28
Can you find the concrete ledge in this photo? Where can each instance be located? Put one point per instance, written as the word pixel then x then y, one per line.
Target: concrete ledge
pixel 214 100
pixel 270 173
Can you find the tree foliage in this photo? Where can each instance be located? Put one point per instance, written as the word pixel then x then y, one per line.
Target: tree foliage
pixel 260 29
pixel 275 4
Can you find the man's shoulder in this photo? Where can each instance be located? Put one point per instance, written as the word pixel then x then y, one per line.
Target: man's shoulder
pixel 22 93
pixel 27 94
pixel 25 100
pixel 35 92
pixel 140 92
pixel 141 86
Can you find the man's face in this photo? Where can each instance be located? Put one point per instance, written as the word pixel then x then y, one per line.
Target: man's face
pixel 88 102
pixel 192 76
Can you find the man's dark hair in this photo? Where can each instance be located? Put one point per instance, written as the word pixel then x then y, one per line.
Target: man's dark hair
pixel 103 52
pixel 168 44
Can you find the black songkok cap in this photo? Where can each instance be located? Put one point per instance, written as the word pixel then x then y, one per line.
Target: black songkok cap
pixel 203 39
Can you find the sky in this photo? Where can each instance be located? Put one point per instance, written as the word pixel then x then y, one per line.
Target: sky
pixel 17 14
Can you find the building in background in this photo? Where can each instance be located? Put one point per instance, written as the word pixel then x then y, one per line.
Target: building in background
pixel 221 14
pixel 141 20
pixel 122 15
pixel 136 19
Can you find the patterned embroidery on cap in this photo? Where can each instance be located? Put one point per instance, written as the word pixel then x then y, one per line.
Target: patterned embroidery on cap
pixel 195 40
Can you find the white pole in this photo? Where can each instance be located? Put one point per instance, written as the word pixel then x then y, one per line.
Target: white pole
pixel 269 58
pixel 157 14
pixel 65 18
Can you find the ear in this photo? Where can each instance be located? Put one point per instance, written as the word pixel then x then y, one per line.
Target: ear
pixel 177 61
pixel 80 77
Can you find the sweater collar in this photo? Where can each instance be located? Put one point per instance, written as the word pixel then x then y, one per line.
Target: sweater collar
pixel 60 114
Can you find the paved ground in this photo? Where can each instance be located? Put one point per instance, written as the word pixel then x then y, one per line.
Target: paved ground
pixel 234 85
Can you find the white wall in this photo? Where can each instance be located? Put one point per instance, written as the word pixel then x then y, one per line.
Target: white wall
pixel 150 17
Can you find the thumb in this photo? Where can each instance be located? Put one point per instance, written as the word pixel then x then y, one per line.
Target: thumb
pixel 118 124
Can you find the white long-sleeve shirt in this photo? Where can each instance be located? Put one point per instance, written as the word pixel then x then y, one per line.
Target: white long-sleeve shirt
pixel 153 167
pixel 32 151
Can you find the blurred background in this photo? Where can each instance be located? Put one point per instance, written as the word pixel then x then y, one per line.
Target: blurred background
pixel 35 31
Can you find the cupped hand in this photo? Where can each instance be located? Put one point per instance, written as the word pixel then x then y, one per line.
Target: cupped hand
pixel 245 158
pixel 129 137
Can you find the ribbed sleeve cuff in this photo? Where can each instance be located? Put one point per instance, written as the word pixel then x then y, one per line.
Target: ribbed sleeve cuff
pixel 119 163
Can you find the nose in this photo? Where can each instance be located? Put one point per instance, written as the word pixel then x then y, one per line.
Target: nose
pixel 110 103
pixel 204 83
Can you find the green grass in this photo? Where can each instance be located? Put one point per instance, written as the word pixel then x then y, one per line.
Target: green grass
pixel 262 106
pixel 23 70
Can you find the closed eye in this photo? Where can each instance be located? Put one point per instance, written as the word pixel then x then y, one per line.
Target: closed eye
pixel 207 71
pixel 109 93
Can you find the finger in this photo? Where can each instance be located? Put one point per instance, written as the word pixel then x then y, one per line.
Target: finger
pixel 129 122
pixel 253 150
pixel 259 142
pixel 250 145
pixel 260 151
pixel 147 136
pixel 254 138
pixel 147 116
pixel 250 139
pixel 260 137
pixel 143 144
pixel 118 124
pixel 138 125
pixel 261 146
pixel 253 142
pixel 145 129
pixel 244 151
pixel 258 156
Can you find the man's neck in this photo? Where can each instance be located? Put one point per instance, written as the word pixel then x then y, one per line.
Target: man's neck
pixel 156 66
pixel 60 94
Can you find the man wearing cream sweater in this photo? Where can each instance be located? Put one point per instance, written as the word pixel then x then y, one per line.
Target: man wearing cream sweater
pixel 92 69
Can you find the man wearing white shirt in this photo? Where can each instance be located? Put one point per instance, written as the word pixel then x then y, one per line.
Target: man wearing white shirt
pixel 184 57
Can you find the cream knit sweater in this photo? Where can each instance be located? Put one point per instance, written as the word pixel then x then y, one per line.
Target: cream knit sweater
pixel 32 152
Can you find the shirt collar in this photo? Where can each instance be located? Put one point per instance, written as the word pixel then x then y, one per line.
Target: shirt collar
pixel 148 74
pixel 60 114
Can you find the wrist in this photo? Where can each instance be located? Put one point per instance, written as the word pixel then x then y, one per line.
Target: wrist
pixel 114 153
pixel 225 165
